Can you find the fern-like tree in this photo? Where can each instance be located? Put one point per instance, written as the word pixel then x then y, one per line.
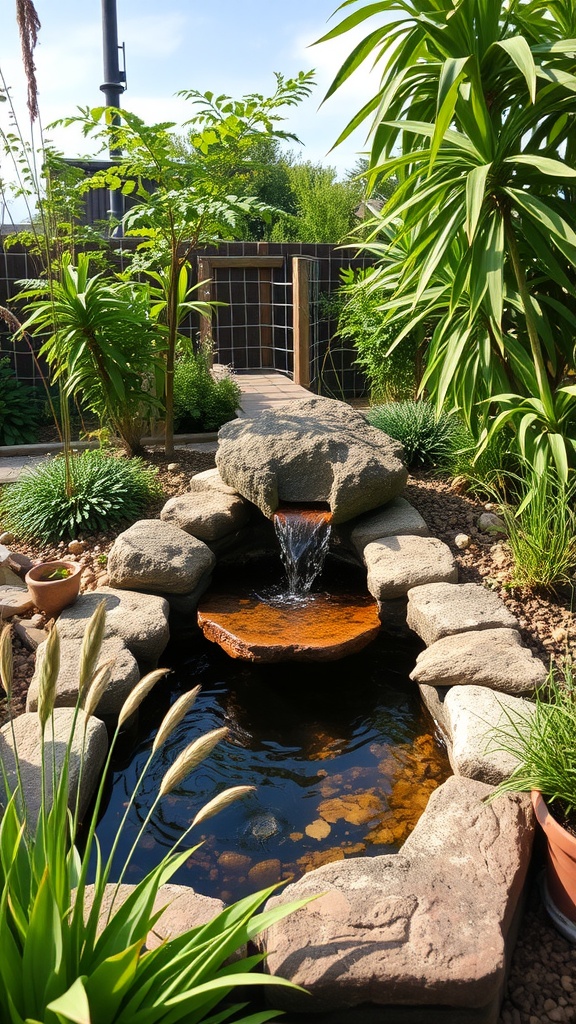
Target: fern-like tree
pixel 475 115
pixel 182 201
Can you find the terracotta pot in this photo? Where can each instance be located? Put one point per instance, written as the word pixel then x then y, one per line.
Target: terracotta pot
pixel 51 596
pixel 561 860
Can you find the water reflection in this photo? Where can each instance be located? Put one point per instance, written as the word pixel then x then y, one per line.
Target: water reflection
pixel 342 755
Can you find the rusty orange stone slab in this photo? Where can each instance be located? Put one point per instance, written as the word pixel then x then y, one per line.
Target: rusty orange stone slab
pixel 324 628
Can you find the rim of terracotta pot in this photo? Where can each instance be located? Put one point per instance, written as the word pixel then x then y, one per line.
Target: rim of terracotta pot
pixel 32 574
pixel 565 840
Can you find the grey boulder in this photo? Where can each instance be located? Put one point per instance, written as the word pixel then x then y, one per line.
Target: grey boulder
pixel 442 609
pixel 396 564
pixel 157 556
pixel 140 620
pixel 89 736
pixel 313 450
pixel 481 724
pixel 486 657
pixel 207 514
pixel 125 675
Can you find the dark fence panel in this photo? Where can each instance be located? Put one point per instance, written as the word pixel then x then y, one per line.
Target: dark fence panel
pixel 254 328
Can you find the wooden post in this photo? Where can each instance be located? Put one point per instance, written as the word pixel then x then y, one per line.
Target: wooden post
pixel 301 307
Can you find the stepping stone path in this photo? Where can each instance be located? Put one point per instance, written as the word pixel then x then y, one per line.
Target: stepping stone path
pixel 28 743
pixel 470 717
pixel 442 609
pixel 396 518
pixel 396 564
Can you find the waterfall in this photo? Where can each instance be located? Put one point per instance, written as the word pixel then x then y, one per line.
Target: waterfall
pixel 304 536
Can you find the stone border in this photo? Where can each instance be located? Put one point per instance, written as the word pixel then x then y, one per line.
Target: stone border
pixel 426 931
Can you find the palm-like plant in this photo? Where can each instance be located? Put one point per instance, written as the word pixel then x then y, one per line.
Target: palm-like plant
pixel 101 341
pixel 475 116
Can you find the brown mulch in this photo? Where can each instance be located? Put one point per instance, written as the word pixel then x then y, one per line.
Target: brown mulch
pixel 542 982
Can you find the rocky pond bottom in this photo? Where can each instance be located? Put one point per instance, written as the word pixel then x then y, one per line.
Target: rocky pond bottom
pixel 343 756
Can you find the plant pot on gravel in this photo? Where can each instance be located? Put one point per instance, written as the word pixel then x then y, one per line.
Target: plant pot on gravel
pixel 54 585
pixel 544 744
pixel 559 891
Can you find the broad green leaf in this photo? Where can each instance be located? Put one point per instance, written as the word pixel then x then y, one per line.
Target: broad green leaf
pixel 557 444
pixel 517 48
pixel 107 986
pixel 554 168
pixel 73 1005
pixel 475 191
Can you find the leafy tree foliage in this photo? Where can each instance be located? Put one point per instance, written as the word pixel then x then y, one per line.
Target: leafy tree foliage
pixel 181 203
pixel 475 117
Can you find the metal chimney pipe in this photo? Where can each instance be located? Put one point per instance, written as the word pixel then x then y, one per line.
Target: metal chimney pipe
pixel 112 87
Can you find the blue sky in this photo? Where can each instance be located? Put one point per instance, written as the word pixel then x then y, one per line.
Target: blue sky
pixel 230 46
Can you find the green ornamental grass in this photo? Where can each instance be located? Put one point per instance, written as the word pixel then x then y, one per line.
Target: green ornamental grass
pixel 429 440
pixel 541 526
pixel 68 955
pixel 103 490
pixel 544 743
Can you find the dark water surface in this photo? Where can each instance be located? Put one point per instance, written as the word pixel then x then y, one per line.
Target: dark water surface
pixel 342 754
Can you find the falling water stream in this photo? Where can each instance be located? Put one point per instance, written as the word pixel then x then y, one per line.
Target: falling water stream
pixel 304 538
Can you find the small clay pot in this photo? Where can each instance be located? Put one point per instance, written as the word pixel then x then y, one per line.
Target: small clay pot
pixel 52 595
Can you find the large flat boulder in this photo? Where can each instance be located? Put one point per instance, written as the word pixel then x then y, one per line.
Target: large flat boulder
pixel 442 609
pixel 207 514
pixel 486 657
pixel 397 518
pixel 90 736
pixel 313 450
pixel 425 928
pixel 155 556
pixel 396 564
pixel 125 675
pixel 140 620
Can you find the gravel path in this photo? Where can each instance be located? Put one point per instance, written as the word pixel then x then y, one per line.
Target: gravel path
pixel 542 983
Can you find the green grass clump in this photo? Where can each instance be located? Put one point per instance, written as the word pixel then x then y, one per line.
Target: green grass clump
pixel 541 526
pixel 544 743
pixel 429 440
pixel 104 490
pixel 201 401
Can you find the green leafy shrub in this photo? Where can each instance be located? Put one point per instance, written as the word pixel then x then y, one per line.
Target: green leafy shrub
pixel 101 344
pixel 19 409
pixel 69 955
pixel 201 400
pixel 428 440
pixel 392 376
pixel 102 490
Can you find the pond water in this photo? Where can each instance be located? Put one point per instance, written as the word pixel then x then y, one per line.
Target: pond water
pixel 343 755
